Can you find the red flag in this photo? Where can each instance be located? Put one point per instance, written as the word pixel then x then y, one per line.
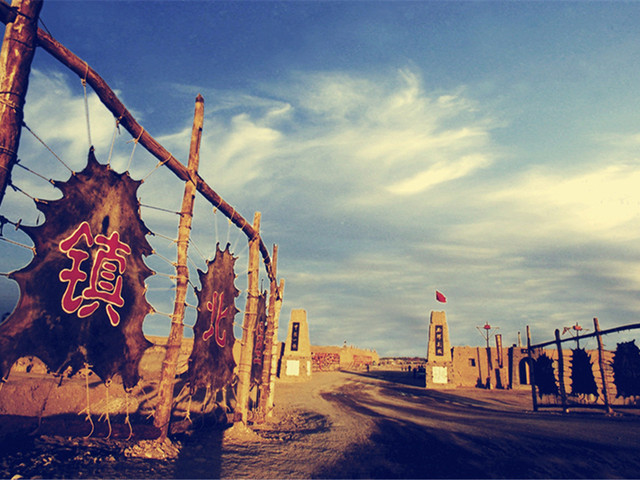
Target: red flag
pixel 440 297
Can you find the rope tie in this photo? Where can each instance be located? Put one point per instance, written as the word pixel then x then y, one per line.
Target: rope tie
pixel 9 103
pixel 11 153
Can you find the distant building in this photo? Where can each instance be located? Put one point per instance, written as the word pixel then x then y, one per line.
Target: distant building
pixel 484 367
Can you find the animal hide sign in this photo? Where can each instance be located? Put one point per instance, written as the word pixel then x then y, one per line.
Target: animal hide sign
pixel 82 296
pixel 257 360
pixel 211 362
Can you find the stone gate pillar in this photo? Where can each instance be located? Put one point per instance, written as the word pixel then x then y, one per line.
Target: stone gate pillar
pixel 439 361
pixel 296 358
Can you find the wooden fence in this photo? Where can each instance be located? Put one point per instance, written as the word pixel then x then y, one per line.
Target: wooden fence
pixel 22 37
pixel 605 396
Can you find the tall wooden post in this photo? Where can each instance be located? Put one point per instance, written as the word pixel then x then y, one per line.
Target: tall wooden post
pixel 605 393
pixel 532 377
pixel 174 342
pixel 16 55
pixel 274 349
pixel 265 384
pixel 489 366
pixel 563 391
pixel 249 326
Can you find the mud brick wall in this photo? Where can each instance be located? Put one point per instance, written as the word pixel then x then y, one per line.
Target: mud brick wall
pixel 325 361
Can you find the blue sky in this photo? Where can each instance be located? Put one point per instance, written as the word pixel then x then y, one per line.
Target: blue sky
pixel 485 149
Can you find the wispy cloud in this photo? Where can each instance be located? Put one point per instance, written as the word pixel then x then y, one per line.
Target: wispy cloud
pixel 378 191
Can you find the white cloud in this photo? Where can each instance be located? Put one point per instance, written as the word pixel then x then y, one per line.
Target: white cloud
pixel 603 203
pixel 439 173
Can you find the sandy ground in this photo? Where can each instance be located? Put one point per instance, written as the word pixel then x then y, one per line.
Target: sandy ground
pixel 357 425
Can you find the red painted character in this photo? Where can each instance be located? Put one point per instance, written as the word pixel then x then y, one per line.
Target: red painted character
pixel 217 314
pixel 105 280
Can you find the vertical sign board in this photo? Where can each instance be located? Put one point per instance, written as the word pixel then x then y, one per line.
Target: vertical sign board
pixel 439 341
pixel 295 335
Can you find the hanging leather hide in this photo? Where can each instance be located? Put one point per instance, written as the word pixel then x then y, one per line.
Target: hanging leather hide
pixel 211 362
pixel 257 359
pixel 82 296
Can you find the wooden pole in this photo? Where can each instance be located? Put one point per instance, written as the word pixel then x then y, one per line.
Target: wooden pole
pixel 16 55
pixel 265 384
pixel 563 391
pixel 274 349
pixel 489 366
pixel 532 377
pixel 248 327
pixel 174 342
pixel 129 123
pixel 605 393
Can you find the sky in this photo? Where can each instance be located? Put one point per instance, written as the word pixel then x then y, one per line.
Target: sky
pixel 488 150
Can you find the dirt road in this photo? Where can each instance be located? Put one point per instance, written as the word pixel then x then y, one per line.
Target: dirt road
pixel 378 425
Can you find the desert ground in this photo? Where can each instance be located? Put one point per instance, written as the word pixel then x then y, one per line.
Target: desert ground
pixel 380 424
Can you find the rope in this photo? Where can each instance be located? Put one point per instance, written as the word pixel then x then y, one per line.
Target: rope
pixel 161 209
pixel 172 277
pixel 11 153
pixel 88 417
pixel 215 222
pixel 18 164
pixel 86 103
pixel 172 240
pixel 33 249
pixel 188 416
pixel 10 104
pixel 193 244
pixel 157 167
pixel 106 414
pixel 47 147
pixel 113 139
pixel 127 420
pixel 194 264
pixel 228 230
pixel 135 144
pixel 168 315
pixel 18 189
pixel 173 264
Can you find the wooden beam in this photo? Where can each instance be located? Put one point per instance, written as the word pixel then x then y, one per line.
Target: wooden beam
pixel 265 384
pixel 120 112
pixel 603 375
pixel 174 342
pixel 248 330
pixel 274 351
pixel 16 55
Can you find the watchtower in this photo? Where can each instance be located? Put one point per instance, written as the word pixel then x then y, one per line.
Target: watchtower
pixel 439 361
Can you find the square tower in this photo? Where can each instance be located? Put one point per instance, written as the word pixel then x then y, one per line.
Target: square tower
pixel 296 358
pixel 439 361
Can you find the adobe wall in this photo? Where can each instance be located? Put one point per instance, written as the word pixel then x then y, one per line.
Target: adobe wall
pixel 331 358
